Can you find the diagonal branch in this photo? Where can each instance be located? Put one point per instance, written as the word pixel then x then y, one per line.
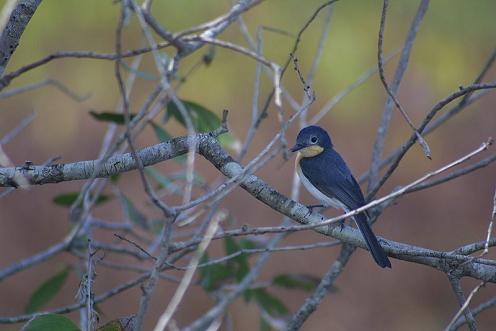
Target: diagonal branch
pixel 457 289
pixel 209 147
pixel 422 9
pixel 15 17
pixel 413 138
pixel 312 302
pixel 393 90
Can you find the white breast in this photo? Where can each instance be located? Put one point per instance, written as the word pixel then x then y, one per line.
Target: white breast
pixel 327 201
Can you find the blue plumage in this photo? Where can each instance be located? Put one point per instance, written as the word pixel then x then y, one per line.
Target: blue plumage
pixel 326 175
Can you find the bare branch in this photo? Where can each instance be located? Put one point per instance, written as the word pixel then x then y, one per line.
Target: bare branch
pixel 21 126
pixel 393 90
pixel 312 302
pixel 467 100
pixel 457 289
pixel 7 78
pixel 219 308
pixel 413 138
pixel 463 308
pixel 53 82
pixel 15 17
pixel 476 311
pixel 422 9
pixel 188 276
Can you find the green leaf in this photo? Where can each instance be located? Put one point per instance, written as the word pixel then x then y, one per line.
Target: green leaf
pixel 247 244
pixel 156 225
pixel 50 322
pixel 270 303
pixel 112 326
pixel 197 179
pixel 117 118
pixel 203 120
pixel 115 178
pixel 139 73
pixel 164 136
pixel 47 290
pixel 160 132
pixel 248 295
pixel 67 199
pixel 227 140
pixel 162 180
pixel 264 326
pixel 120 324
pixel 240 262
pixel 301 281
pixel 212 276
pixel 230 245
pixel 134 214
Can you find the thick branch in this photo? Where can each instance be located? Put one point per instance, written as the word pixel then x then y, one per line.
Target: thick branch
pixel 209 147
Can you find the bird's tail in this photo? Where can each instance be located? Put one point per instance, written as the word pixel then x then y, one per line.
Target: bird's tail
pixel 375 248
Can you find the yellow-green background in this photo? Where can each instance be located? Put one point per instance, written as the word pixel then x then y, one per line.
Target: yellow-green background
pixel 452 45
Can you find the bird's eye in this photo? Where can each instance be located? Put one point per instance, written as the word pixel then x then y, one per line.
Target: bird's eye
pixel 313 140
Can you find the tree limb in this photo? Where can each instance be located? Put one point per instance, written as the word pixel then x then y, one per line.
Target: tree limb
pixel 11 31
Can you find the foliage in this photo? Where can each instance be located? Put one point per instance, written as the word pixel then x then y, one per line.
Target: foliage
pixel 47 290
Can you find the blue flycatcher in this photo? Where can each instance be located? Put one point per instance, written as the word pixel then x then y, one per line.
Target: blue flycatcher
pixel 327 177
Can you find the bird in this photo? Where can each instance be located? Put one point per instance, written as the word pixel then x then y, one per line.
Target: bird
pixel 326 176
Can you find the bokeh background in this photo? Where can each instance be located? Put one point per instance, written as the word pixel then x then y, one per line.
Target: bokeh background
pixel 452 45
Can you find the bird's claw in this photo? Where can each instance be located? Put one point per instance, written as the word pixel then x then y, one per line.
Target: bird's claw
pixel 311 207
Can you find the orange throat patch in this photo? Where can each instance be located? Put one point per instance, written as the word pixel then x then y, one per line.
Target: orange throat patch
pixel 309 151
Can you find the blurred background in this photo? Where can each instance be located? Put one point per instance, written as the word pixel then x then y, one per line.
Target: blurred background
pixel 454 42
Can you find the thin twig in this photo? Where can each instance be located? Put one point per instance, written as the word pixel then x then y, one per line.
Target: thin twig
pixel 466 100
pixel 422 9
pixel 167 212
pixel 398 76
pixel 7 78
pixel 324 244
pixel 15 131
pixel 413 138
pixel 464 306
pixel 188 276
pixel 53 82
pixel 476 311
pixel 214 312
pixel 312 302
pixel 136 245
pixel 296 44
pixel 457 289
pixel 329 105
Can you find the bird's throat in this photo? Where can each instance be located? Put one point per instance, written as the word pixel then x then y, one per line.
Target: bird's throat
pixel 310 151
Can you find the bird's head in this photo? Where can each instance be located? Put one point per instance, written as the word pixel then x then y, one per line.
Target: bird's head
pixel 312 141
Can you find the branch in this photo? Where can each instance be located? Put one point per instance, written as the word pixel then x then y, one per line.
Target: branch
pixel 53 82
pixel 312 302
pixel 422 9
pixel 457 289
pixel 17 15
pixel 6 79
pixel 209 147
pixel 413 138
pixel 476 311
pixel 398 76
pixel 464 307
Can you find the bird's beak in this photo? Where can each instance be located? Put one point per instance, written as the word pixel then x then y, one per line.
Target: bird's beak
pixel 297 147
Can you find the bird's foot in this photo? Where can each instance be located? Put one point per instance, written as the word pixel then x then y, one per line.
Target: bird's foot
pixel 311 207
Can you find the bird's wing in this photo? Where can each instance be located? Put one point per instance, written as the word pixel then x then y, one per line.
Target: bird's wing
pixel 330 175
